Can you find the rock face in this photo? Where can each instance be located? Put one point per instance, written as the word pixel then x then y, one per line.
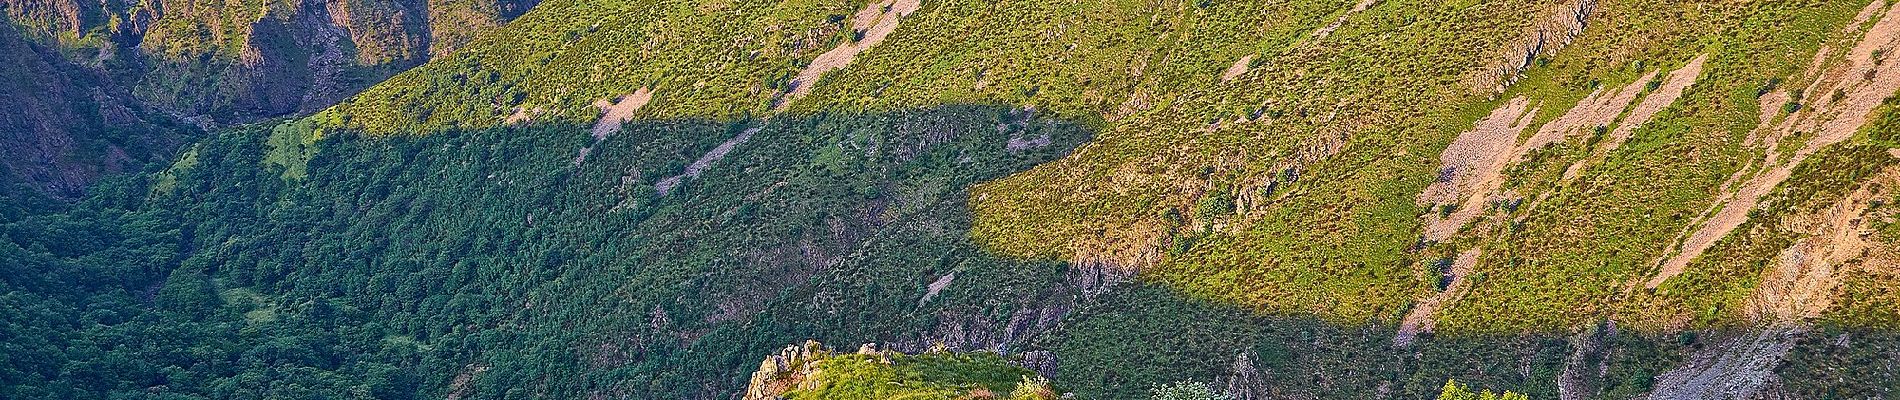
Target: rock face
pixel 63 126
pixel 100 73
pixel 236 64
pixel 1042 361
pixel 792 368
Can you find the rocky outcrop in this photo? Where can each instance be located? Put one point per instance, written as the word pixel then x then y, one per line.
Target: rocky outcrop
pixel 1245 381
pixel 793 368
pixel 1565 23
pixel 800 371
pixel 298 58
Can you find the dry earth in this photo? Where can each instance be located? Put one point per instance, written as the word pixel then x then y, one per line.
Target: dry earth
pixel 1862 84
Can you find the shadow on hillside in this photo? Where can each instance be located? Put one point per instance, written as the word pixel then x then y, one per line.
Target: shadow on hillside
pixel 490 263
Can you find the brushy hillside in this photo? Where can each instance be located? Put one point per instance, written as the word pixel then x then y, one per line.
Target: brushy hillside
pixel 1286 156
pixel 1312 199
pixel 812 371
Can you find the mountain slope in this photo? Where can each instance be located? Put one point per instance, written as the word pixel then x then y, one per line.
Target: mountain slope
pixel 1306 199
pixel 150 67
pixel 67 126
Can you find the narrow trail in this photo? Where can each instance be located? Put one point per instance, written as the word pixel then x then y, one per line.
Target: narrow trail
pixel 1860 84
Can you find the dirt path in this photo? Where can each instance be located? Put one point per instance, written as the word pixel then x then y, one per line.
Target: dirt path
pixel 1423 316
pixel 699 166
pixel 1861 84
pixel 875 22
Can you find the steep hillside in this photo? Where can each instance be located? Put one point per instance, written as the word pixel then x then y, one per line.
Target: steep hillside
pixel 232 62
pixel 145 67
pixel 66 126
pixel 1569 199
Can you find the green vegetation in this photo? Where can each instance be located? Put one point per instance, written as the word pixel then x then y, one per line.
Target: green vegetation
pixel 349 280
pixel 922 376
pixel 1261 233
pixel 1186 390
pixel 1455 391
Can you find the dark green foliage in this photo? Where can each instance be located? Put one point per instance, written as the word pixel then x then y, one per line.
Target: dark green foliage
pixel 1843 363
pixel 923 376
pixel 392 266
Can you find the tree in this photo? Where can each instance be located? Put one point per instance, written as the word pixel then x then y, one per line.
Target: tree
pixel 1455 391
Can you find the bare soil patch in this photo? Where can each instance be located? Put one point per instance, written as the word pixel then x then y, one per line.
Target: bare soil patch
pixel 1861 85
pixel 1423 316
pixel 523 115
pixel 617 112
pixel 1664 95
pixel 936 287
pixel 1239 68
pixel 699 166
pixel 869 27
pixel 1597 109
pixel 1473 166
